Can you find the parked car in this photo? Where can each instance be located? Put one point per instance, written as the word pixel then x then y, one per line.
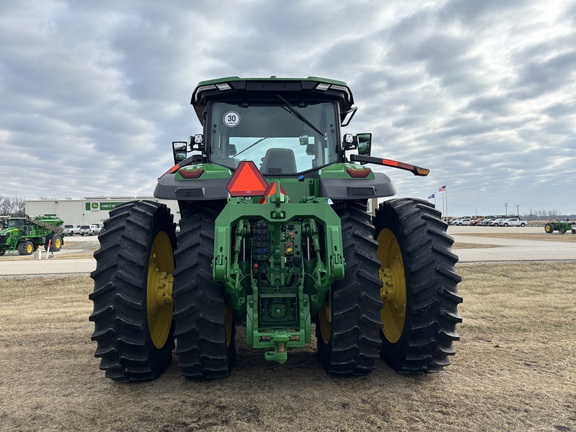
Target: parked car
pixel 95 229
pixel 71 230
pixel 495 222
pixel 513 222
pixel 461 221
pixel 85 230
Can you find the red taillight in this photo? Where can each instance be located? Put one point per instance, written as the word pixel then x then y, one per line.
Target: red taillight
pixel 191 173
pixel 247 181
pixel 359 172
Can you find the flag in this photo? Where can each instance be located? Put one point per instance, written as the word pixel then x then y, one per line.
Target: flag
pixel 442 189
pixel 431 196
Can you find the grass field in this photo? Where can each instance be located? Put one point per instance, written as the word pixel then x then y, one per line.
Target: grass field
pixel 514 370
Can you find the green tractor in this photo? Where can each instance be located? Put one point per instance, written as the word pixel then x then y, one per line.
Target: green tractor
pixel 275 235
pixel 561 226
pixel 26 234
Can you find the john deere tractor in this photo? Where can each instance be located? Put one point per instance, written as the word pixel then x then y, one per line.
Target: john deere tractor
pixel 275 235
pixel 25 234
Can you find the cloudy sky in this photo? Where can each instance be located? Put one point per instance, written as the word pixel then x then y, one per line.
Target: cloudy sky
pixel 481 92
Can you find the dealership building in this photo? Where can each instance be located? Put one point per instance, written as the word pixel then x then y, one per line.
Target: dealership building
pixel 89 210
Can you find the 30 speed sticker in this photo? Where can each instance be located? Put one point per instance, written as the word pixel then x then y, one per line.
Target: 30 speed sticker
pixel 231 119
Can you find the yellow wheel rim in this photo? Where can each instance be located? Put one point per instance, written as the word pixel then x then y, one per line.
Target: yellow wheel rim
pixel 548 228
pixel 29 248
pixel 57 243
pixel 325 319
pixel 160 282
pixel 393 291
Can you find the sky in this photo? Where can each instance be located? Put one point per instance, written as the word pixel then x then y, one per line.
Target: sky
pixel 480 92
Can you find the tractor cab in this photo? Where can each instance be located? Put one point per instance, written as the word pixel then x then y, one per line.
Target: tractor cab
pixel 281 139
pixel 285 126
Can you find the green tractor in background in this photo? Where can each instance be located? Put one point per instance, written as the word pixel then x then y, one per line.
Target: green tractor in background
pixel 26 234
pixel 274 235
pixel 561 226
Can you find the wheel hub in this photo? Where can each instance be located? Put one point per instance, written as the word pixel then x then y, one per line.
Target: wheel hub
pixel 393 291
pixel 160 283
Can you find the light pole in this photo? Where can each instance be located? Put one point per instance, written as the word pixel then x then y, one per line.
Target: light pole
pixel 506 207
pixel 518 210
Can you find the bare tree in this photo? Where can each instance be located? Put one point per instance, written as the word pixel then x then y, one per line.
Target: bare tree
pixel 12 206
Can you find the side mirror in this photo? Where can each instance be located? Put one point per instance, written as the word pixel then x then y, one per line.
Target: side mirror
pixel 304 140
pixel 179 151
pixel 364 143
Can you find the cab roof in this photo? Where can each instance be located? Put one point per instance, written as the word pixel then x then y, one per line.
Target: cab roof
pixel 235 89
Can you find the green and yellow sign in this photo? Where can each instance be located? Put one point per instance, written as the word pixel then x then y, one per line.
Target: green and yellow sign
pixel 102 205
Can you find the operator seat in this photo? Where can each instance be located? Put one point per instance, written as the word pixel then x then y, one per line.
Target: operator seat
pixel 278 161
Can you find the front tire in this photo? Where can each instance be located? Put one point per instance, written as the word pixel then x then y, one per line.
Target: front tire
pixel 133 292
pixel 205 330
pixel 347 326
pixel 25 247
pixel 419 286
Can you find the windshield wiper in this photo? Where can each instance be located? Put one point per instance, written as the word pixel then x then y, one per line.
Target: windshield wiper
pixel 291 110
pixel 251 145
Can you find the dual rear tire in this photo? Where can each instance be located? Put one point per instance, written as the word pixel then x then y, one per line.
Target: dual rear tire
pixel 132 295
pixel 419 286
pixel 399 297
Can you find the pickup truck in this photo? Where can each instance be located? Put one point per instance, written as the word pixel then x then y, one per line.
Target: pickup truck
pixel 512 222
pixel 71 230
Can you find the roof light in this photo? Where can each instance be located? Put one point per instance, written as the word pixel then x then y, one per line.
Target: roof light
pixel 204 88
pixel 223 86
pixel 322 86
pixel 342 89
pixel 247 181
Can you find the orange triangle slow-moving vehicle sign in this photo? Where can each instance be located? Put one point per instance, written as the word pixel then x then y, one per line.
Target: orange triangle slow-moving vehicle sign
pixel 271 190
pixel 247 181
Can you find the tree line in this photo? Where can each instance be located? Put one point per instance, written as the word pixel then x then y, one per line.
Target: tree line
pixel 12 206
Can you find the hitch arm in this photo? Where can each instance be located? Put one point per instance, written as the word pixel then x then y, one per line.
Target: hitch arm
pixel 416 170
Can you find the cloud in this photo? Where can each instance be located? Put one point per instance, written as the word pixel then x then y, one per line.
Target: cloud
pixel 92 93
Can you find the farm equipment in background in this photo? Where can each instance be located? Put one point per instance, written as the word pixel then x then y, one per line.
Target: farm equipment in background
pixel 561 226
pixel 274 235
pixel 26 234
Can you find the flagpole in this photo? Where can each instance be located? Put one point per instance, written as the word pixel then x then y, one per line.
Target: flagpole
pixel 446 201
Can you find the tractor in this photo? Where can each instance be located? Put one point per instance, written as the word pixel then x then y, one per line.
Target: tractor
pixel 561 226
pixel 25 234
pixel 274 235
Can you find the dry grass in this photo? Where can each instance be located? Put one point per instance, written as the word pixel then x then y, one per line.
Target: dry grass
pixel 514 370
